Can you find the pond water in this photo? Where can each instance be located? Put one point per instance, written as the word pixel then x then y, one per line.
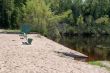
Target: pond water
pixel 96 48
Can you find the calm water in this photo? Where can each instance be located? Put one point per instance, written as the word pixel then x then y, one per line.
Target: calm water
pixel 96 48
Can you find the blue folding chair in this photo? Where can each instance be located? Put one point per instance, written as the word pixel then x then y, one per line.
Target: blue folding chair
pixel 25 29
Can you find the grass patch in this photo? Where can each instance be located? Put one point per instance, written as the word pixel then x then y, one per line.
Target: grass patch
pixel 8 30
pixel 99 63
pixel 96 63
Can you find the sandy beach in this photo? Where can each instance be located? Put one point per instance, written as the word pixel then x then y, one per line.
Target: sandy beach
pixel 43 56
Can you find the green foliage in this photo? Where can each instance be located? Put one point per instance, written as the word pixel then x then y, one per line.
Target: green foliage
pixel 40 16
pixel 37 13
pixel 101 64
pixel 96 63
pixel 53 32
pixel 103 20
pixel 80 20
pixel 81 16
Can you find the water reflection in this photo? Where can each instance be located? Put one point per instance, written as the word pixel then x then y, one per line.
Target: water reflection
pixel 97 48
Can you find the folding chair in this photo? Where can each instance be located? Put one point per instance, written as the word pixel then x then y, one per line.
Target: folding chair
pixel 25 29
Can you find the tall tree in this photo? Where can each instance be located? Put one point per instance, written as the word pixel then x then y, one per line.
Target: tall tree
pixel 7 7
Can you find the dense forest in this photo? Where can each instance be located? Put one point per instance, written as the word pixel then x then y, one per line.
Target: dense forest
pixel 57 17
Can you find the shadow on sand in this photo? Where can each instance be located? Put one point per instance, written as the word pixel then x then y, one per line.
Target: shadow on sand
pixel 71 55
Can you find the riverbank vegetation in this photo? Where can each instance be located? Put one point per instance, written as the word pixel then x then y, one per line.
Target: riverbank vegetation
pixel 57 17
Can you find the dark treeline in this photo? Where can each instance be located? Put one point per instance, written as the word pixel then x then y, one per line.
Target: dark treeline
pixel 55 17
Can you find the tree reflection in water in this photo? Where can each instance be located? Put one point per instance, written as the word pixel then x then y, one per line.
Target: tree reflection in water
pixel 97 48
